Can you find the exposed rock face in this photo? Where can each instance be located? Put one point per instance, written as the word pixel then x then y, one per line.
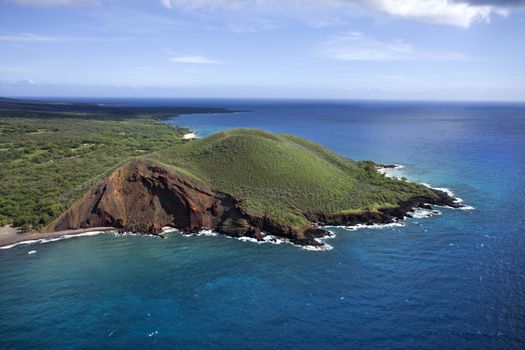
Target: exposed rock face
pixel 385 216
pixel 143 196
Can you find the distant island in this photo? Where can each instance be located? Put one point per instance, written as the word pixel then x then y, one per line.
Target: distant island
pixel 122 167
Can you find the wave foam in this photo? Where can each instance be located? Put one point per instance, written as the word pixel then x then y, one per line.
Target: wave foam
pixel 131 233
pixel 169 229
pixel 420 213
pixel 389 172
pixel 52 239
pixel 443 189
pixel 271 239
pixel 207 233
pixel 266 239
pixel 365 226
pixel 451 194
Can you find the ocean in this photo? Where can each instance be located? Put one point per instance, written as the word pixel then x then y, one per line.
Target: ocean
pixel 455 280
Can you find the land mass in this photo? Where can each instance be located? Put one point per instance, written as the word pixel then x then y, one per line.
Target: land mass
pixel 242 183
pixel 247 183
pixel 51 153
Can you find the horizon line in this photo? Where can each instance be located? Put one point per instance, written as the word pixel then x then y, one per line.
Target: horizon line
pixel 326 99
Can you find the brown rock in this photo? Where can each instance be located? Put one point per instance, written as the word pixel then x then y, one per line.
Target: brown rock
pixel 143 196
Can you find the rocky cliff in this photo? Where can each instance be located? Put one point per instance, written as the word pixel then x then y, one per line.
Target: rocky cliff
pixel 143 196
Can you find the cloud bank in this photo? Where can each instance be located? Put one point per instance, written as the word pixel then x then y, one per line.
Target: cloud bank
pixel 356 46
pixel 461 13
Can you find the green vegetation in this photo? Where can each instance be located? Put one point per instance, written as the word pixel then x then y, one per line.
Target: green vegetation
pixel 50 154
pixel 283 176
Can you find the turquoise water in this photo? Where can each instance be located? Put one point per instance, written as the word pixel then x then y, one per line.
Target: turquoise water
pixel 451 281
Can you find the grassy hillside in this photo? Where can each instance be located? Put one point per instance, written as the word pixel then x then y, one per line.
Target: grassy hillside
pixel 284 176
pixel 50 153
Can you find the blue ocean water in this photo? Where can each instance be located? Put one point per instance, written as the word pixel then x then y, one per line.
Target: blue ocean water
pixel 451 281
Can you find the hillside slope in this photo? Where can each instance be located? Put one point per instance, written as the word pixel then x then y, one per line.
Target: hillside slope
pixel 286 176
pixel 247 183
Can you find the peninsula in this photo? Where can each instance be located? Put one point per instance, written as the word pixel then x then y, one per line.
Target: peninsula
pixel 241 183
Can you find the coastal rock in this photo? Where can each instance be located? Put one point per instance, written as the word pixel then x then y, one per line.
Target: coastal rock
pixel 143 196
pixel 385 215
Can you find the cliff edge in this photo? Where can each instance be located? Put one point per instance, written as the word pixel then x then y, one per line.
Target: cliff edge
pixel 144 196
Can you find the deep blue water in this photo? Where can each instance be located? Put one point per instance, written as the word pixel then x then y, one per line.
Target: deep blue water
pixel 451 281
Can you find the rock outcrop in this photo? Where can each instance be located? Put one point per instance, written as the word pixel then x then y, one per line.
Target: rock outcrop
pixel 143 196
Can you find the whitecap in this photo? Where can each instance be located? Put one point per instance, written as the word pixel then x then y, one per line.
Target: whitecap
pixel 207 233
pixel 443 189
pixel 390 172
pixel 420 213
pixel 131 233
pixel 267 239
pixel 271 239
pixel 451 194
pixel 21 243
pixel 31 252
pixel 322 248
pixel 169 229
pixel 365 226
pixel 52 239
pixel 84 234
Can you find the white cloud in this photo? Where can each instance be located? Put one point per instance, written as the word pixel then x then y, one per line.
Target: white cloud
pixel 50 3
pixel 434 11
pixel 450 12
pixel 197 59
pixel 30 37
pixel 462 13
pixel 167 3
pixel 355 46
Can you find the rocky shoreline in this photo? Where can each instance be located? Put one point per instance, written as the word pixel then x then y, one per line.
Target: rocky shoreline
pixel 10 236
pixel 143 197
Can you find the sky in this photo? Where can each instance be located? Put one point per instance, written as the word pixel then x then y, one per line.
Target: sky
pixel 314 49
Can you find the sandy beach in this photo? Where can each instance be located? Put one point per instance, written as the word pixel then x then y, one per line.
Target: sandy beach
pixel 189 136
pixel 10 235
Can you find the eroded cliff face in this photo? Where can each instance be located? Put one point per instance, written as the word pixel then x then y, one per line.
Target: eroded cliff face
pixel 143 196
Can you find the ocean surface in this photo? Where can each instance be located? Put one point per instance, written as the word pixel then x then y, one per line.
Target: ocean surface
pixel 455 280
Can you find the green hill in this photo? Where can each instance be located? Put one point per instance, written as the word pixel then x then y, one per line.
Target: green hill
pixel 73 165
pixel 285 176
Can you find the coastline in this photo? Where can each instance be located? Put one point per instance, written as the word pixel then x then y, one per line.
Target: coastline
pixel 10 237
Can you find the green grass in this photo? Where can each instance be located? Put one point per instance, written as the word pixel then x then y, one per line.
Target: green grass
pixel 284 176
pixel 50 154
pixel 48 163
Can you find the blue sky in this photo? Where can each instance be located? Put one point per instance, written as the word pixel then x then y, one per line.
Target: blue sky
pixel 344 49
